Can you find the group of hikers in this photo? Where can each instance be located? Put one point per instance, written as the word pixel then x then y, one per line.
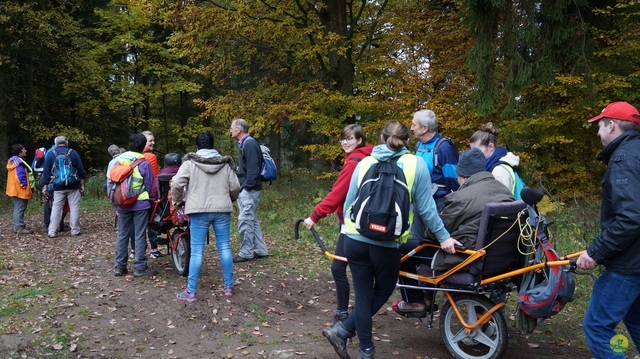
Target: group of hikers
pixel 447 191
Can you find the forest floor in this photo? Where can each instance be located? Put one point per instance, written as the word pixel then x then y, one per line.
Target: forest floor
pixel 62 300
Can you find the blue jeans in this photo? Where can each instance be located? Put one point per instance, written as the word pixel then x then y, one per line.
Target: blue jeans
pixel 251 240
pixel 199 226
pixel 615 297
pixel 19 206
pixel 374 270
pixel 129 221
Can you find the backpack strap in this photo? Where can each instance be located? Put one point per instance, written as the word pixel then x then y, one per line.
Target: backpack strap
pixel 437 147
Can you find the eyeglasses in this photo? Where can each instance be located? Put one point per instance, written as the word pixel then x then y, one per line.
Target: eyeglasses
pixel 347 139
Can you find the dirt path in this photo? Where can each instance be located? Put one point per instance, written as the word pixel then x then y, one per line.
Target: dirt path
pixel 280 306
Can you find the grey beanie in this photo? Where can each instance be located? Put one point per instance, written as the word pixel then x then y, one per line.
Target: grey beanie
pixel 471 162
pixel 113 150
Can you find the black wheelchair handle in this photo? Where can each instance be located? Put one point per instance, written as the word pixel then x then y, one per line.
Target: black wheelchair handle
pixel 296 234
pixel 573 262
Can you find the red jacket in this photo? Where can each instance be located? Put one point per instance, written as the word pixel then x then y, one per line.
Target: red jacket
pixel 334 200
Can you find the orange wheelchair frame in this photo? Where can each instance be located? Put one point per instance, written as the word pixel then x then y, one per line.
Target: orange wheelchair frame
pixel 472 323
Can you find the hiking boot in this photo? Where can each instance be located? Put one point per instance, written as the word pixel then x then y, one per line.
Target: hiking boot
pixel 238 259
pixel 119 272
pixel 338 342
pixel 157 254
pixel 23 231
pixel 368 353
pixel 338 318
pixel 145 272
pixel 228 291
pixel 187 296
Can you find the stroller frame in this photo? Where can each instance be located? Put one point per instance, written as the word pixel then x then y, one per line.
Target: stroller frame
pixel 178 237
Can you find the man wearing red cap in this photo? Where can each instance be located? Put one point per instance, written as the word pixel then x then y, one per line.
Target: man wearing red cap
pixel 616 294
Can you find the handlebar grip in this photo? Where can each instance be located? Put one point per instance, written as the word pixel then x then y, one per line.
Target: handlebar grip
pixel 296 234
pixel 573 262
pixel 296 231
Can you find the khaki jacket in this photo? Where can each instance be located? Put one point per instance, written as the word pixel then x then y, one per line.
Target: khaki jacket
pixel 211 184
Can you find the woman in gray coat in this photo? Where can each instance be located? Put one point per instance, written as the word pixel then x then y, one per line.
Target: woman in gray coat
pixel 211 185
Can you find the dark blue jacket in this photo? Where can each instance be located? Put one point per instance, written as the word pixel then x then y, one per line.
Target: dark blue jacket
pixel 618 245
pixel 249 164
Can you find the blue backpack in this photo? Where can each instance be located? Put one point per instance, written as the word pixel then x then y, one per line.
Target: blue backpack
pixel 63 172
pixel 268 169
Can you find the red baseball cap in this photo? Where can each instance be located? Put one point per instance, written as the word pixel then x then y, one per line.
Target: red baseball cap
pixel 620 110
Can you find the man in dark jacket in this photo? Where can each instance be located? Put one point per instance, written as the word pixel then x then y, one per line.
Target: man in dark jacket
pixel 252 244
pixel 616 294
pixel 463 208
pixel 461 216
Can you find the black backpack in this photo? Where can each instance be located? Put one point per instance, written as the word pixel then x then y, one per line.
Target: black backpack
pixel 381 209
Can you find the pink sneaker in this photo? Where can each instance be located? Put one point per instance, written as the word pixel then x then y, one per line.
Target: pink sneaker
pixel 186 295
pixel 228 291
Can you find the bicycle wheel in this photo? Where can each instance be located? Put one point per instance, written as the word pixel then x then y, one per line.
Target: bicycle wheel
pixel 182 253
pixel 488 341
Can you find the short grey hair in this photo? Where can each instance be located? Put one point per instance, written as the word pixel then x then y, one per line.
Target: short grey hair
pixel 427 118
pixel 61 141
pixel 242 124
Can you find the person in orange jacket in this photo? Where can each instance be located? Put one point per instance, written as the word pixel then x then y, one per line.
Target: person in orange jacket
pixel 19 183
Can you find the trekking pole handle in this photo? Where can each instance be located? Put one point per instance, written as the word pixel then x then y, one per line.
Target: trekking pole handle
pixel 296 234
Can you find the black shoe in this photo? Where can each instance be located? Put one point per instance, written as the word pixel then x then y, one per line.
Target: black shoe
pixel 260 256
pixel 157 254
pixel 338 342
pixel 368 353
pixel 121 271
pixel 145 272
pixel 238 259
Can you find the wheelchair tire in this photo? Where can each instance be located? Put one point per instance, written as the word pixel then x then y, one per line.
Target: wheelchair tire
pixel 488 341
pixel 182 253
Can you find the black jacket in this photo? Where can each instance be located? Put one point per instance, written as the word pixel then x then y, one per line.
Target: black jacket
pixel 249 164
pixel 618 245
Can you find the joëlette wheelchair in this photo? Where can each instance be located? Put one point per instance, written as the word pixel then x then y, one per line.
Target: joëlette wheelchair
pixel 160 220
pixel 472 324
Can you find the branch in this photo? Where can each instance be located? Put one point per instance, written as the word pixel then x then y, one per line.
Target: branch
pixel 374 25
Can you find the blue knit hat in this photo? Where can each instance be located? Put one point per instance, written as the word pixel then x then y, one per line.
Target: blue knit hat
pixel 470 162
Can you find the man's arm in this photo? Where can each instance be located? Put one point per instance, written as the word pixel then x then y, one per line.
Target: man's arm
pixel 622 229
pixel 448 160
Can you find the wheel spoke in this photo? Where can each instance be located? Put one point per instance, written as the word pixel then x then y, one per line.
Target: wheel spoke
pixel 484 339
pixel 460 335
pixel 471 314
